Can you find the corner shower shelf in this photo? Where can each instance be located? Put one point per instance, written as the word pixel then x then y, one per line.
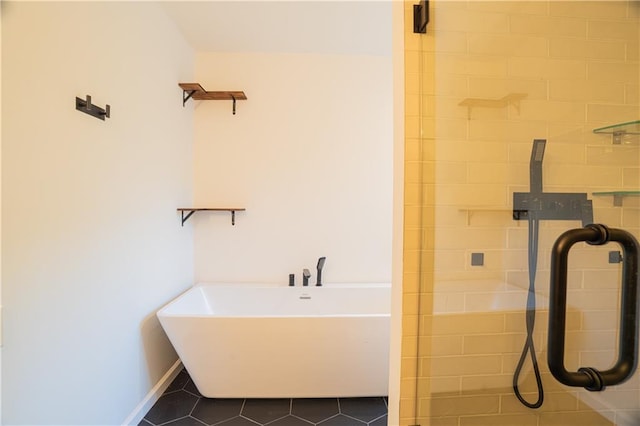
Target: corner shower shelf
pixel 618 196
pixel 619 131
pixel 197 92
pixel 510 99
pixel 192 210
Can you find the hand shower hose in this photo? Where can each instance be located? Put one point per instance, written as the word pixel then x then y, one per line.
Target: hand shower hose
pixel 529 347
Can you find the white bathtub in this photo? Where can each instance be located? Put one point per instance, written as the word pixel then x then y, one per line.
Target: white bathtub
pixel 256 341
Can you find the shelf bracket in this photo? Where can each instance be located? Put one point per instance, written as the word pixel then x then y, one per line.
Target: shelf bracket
pixel 186 95
pixel 234 106
pixel 184 218
pixel 616 137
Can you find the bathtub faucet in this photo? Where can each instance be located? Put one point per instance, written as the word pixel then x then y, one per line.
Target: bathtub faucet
pixel 305 277
pixel 319 268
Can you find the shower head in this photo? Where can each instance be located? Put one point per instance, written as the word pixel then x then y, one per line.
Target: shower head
pixel 535 165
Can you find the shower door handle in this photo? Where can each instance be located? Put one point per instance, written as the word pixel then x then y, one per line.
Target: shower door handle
pixel 589 377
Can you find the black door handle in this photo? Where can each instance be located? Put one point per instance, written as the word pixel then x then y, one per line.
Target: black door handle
pixel 589 377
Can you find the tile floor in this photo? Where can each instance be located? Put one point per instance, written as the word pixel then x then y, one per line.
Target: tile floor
pixel 183 405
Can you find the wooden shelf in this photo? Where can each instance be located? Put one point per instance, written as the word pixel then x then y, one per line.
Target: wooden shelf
pixel 197 92
pixel 191 210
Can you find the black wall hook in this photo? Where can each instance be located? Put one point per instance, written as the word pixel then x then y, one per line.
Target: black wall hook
pixel 421 17
pixel 87 107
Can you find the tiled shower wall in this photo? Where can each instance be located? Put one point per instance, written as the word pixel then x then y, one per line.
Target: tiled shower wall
pixel 562 69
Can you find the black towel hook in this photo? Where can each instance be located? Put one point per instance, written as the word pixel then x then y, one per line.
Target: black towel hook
pixel 589 377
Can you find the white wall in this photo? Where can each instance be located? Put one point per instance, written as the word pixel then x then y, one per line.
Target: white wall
pixel 309 155
pixel 91 245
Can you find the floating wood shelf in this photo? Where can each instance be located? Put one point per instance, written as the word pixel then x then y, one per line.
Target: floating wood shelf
pixel 197 92
pixel 191 210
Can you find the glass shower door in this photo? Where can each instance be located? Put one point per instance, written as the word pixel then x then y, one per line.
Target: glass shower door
pixel 522 124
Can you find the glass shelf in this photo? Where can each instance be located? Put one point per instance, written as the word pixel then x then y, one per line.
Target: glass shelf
pixel 618 196
pixel 618 131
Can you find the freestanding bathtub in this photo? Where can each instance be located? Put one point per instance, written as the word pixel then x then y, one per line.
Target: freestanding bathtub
pixel 257 341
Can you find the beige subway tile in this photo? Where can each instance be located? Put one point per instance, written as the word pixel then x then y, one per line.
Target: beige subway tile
pixel 507 45
pixel 590 340
pixel 477 65
pixel 496 88
pixel 471 195
pixel 446 345
pixel 464 405
pixel 588 9
pixel 602 359
pixel 613 29
pixel 554 401
pixel 449 303
pixel 451 173
pixel 574 418
pixel 471 21
pixel 500 420
pixel 632 96
pixel 475 150
pixel 470 237
pixel 487 172
pixel 613 71
pixel 621 156
pixel 548 25
pixel 451 42
pixel 490 383
pixel 552 110
pixel 566 69
pixel 612 113
pixel 450 108
pixel 570 48
pixel 633 51
pixel 468 324
pixel 493 344
pixel 522 67
pixel 583 90
pixel 440 385
pixel 586 176
pixel 451 128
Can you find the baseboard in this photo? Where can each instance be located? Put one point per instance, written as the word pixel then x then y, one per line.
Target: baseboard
pixel 154 394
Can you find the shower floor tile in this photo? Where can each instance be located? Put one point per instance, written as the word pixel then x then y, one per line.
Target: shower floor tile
pixel 183 405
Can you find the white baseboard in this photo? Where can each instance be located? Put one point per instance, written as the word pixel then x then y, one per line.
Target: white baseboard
pixel 154 394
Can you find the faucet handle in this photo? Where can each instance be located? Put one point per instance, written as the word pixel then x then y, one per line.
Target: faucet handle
pixel 305 277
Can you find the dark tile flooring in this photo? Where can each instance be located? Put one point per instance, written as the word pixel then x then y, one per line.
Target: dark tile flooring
pixel 183 405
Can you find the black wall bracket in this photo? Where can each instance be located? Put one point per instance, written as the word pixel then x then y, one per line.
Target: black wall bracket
pixel 421 17
pixel 87 107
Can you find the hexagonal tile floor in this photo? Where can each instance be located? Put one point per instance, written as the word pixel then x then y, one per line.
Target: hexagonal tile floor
pixel 183 405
